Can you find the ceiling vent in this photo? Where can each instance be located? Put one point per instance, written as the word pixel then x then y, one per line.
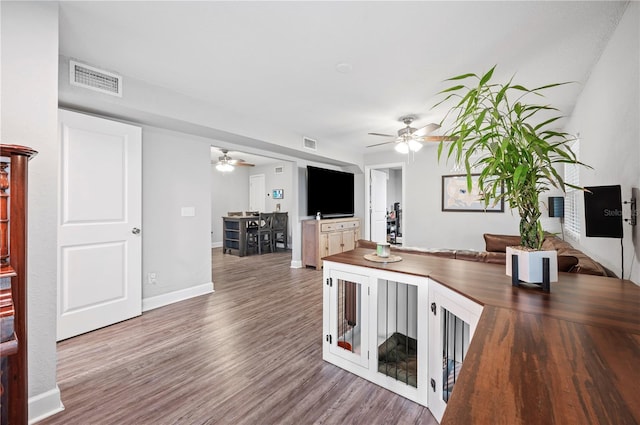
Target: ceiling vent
pixel 279 169
pixel 86 76
pixel 309 143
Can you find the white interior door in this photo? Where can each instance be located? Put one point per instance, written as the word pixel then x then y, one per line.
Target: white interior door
pixel 378 207
pixel 257 193
pixel 99 221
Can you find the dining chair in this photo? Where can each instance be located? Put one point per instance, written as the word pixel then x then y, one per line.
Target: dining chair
pixel 264 231
pixel 279 230
pixel 252 224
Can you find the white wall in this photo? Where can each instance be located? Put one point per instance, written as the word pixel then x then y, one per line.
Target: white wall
pixel 277 181
pixel 175 174
pixel 607 118
pixel 229 192
pixel 424 223
pixel 29 98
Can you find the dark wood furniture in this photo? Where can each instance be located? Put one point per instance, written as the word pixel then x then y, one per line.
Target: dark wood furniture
pixel 569 356
pixel 280 230
pixel 13 268
pixel 242 233
pixel 234 234
pixel 264 233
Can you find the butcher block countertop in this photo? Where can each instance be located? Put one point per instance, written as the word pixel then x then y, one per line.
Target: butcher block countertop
pixel 571 356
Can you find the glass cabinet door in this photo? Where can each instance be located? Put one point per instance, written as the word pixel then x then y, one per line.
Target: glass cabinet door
pixel 348 315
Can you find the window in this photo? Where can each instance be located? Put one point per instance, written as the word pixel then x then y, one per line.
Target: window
pixel 572 176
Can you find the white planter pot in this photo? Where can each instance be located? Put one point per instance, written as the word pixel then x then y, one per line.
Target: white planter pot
pixel 530 264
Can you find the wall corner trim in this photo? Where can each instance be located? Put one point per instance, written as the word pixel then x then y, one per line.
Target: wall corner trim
pixel 44 405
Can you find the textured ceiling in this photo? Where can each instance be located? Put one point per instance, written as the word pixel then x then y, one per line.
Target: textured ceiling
pixel 275 62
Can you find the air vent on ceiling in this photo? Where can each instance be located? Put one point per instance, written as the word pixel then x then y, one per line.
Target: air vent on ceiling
pixel 279 169
pixel 86 76
pixel 309 143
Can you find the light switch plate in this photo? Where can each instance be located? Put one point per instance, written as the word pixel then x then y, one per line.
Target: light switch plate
pixel 188 211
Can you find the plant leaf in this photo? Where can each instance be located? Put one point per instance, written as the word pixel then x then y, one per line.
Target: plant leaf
pixel 461 77
pixel 454 88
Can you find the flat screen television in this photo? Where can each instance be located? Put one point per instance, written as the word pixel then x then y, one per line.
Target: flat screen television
pixel 329 192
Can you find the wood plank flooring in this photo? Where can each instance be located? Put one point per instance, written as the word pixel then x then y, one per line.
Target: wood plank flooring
pixel 251 353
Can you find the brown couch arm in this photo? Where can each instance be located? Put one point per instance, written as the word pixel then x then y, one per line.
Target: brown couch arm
pixel 499 243
pixel 363 243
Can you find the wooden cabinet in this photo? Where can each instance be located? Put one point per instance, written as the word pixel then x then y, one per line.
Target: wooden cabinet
pixel 321 238
pixel 14 387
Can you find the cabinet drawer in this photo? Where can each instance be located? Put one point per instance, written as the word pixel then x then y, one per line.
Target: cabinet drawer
pixel 330 227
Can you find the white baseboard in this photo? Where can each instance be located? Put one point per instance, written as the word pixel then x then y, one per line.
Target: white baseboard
pixel 45 405
pixel 216 244
pixel 175 296
pixel 296 264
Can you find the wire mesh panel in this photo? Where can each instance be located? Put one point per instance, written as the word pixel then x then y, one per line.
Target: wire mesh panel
pixel 455 342
pixel 397 331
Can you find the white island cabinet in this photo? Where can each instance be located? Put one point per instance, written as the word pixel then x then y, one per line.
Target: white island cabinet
pixel 381 325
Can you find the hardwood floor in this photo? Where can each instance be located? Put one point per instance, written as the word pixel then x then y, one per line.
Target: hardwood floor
pixel 251 353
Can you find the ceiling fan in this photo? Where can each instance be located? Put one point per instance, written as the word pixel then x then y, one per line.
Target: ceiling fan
pixel 409 138
pixel 226 163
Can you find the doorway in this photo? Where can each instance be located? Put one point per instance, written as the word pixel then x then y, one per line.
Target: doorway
pixel 100 216
pixel 392 194
pixel 257 192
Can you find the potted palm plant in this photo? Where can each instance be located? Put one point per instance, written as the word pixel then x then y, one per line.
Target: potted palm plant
pixel 512 142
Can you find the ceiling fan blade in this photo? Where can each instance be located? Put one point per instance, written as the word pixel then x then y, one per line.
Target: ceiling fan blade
pixel 244 164
pixel 423 131
pixel 436 138
pixel 380 144
pixel 380 134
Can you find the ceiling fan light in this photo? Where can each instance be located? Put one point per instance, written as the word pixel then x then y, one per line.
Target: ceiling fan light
pixel 414 145
pixel 402 147
pixel 224 167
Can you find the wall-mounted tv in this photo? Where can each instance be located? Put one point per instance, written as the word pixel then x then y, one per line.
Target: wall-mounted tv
pixel 329 192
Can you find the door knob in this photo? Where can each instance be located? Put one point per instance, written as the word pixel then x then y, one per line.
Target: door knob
pixel 135 231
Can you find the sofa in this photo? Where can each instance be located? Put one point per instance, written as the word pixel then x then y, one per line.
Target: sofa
pixel 570 259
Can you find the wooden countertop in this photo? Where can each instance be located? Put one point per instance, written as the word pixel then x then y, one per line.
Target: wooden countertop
pixel 568 357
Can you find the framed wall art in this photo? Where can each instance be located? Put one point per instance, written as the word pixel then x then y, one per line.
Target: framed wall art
pixel 456 196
